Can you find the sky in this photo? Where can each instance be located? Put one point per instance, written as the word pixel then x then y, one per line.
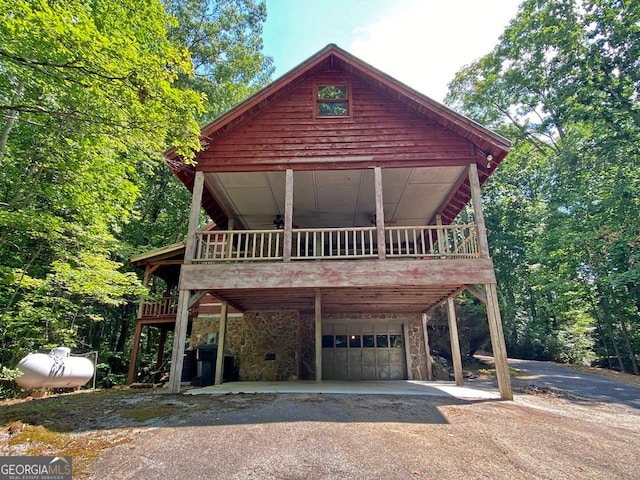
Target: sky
pixel 422 43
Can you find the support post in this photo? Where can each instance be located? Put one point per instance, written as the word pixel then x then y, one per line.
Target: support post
pixel 425 320
pixel 229 247
pixel 318 335
pixel 497 342
pixel 179 340
pixel 455 343
pixel 222 332
pixel 194 218
pixel 382 243
pixel 182 316
pixel 442 246
pixel 476 198
pixel 407 351
pixel 288 217
pixel 135 348
pixel 163 340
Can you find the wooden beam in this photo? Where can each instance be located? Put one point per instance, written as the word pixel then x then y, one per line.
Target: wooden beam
pixel 288 216
pixel 194 218
pixel 338 274
pixel 196 297
pixel 476 198
pixel 135 347
pixel 425 320
pixel 497 342
pixel 477 292
pixel 179 340
pixel 229 247
pixel 440 234
pixel 382 244
pixel 318 335
pixel 407 351
pixel 455 342
pixel 182 316
pixel 222 331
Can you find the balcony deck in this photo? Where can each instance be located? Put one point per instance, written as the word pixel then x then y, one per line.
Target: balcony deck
pixel 415 242
pixel 419 267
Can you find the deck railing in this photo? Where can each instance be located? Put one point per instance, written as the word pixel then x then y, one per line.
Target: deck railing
pixel 239 245
pixel 334 243
pixel 160 307
pixel 450 241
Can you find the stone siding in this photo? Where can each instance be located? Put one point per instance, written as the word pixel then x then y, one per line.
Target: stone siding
pixel 267 346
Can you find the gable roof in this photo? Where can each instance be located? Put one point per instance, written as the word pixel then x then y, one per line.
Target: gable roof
pixel 486 142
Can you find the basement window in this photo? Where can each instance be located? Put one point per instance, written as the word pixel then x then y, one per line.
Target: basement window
pixel 332 100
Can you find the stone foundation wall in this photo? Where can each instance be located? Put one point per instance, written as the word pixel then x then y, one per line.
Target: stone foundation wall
pixel 417 349
pixel 267 346
pixel 307 347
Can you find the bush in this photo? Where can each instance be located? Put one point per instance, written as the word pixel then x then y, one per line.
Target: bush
pixel 8 385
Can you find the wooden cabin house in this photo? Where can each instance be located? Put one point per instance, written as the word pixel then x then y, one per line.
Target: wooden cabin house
pixel 335 193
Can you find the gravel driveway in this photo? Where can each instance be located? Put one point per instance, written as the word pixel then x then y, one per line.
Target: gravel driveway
pixel 315 436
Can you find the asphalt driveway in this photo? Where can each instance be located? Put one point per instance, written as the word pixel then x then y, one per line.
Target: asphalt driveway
pixel 553 375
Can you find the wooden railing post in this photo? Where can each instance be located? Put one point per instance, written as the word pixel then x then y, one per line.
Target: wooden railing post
pixel 229 246
pixel 440 234
pixel 476 197
pixel 288 217
pixel 382 243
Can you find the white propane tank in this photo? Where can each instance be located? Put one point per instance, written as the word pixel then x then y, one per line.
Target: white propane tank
pixel 58 369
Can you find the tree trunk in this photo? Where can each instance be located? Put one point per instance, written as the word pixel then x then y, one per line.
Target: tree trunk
pixel 607 322
pixel 625 335
pixel 12 118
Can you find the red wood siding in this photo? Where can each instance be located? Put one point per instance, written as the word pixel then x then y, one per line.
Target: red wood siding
pixel 380 131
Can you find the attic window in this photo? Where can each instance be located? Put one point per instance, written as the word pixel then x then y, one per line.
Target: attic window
pixel 332 100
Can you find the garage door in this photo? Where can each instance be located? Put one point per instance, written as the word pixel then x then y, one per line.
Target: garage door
pixel 363 351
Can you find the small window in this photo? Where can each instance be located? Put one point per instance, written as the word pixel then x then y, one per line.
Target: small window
pixel 382 341
pixel 327 341
pixel 354 341
pixel 368 341
pixel 396 341
pixel 332 100
pixel 341 341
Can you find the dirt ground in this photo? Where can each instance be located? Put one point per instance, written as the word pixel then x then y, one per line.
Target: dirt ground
pixel 150 434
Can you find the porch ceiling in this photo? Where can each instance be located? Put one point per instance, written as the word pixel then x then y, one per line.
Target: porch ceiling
pixel 341 300
pixel 335 198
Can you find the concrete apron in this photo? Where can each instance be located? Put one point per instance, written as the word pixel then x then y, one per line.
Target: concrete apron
pixel 387 387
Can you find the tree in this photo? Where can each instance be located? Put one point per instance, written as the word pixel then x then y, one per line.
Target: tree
pixel 88 94
pixel 563 83
pixel 224 38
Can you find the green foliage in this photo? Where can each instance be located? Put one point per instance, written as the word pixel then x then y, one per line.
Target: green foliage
pixel 89 97
pixel 224 38
pixel 91 94
pixel 564 209
pixel 8 386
